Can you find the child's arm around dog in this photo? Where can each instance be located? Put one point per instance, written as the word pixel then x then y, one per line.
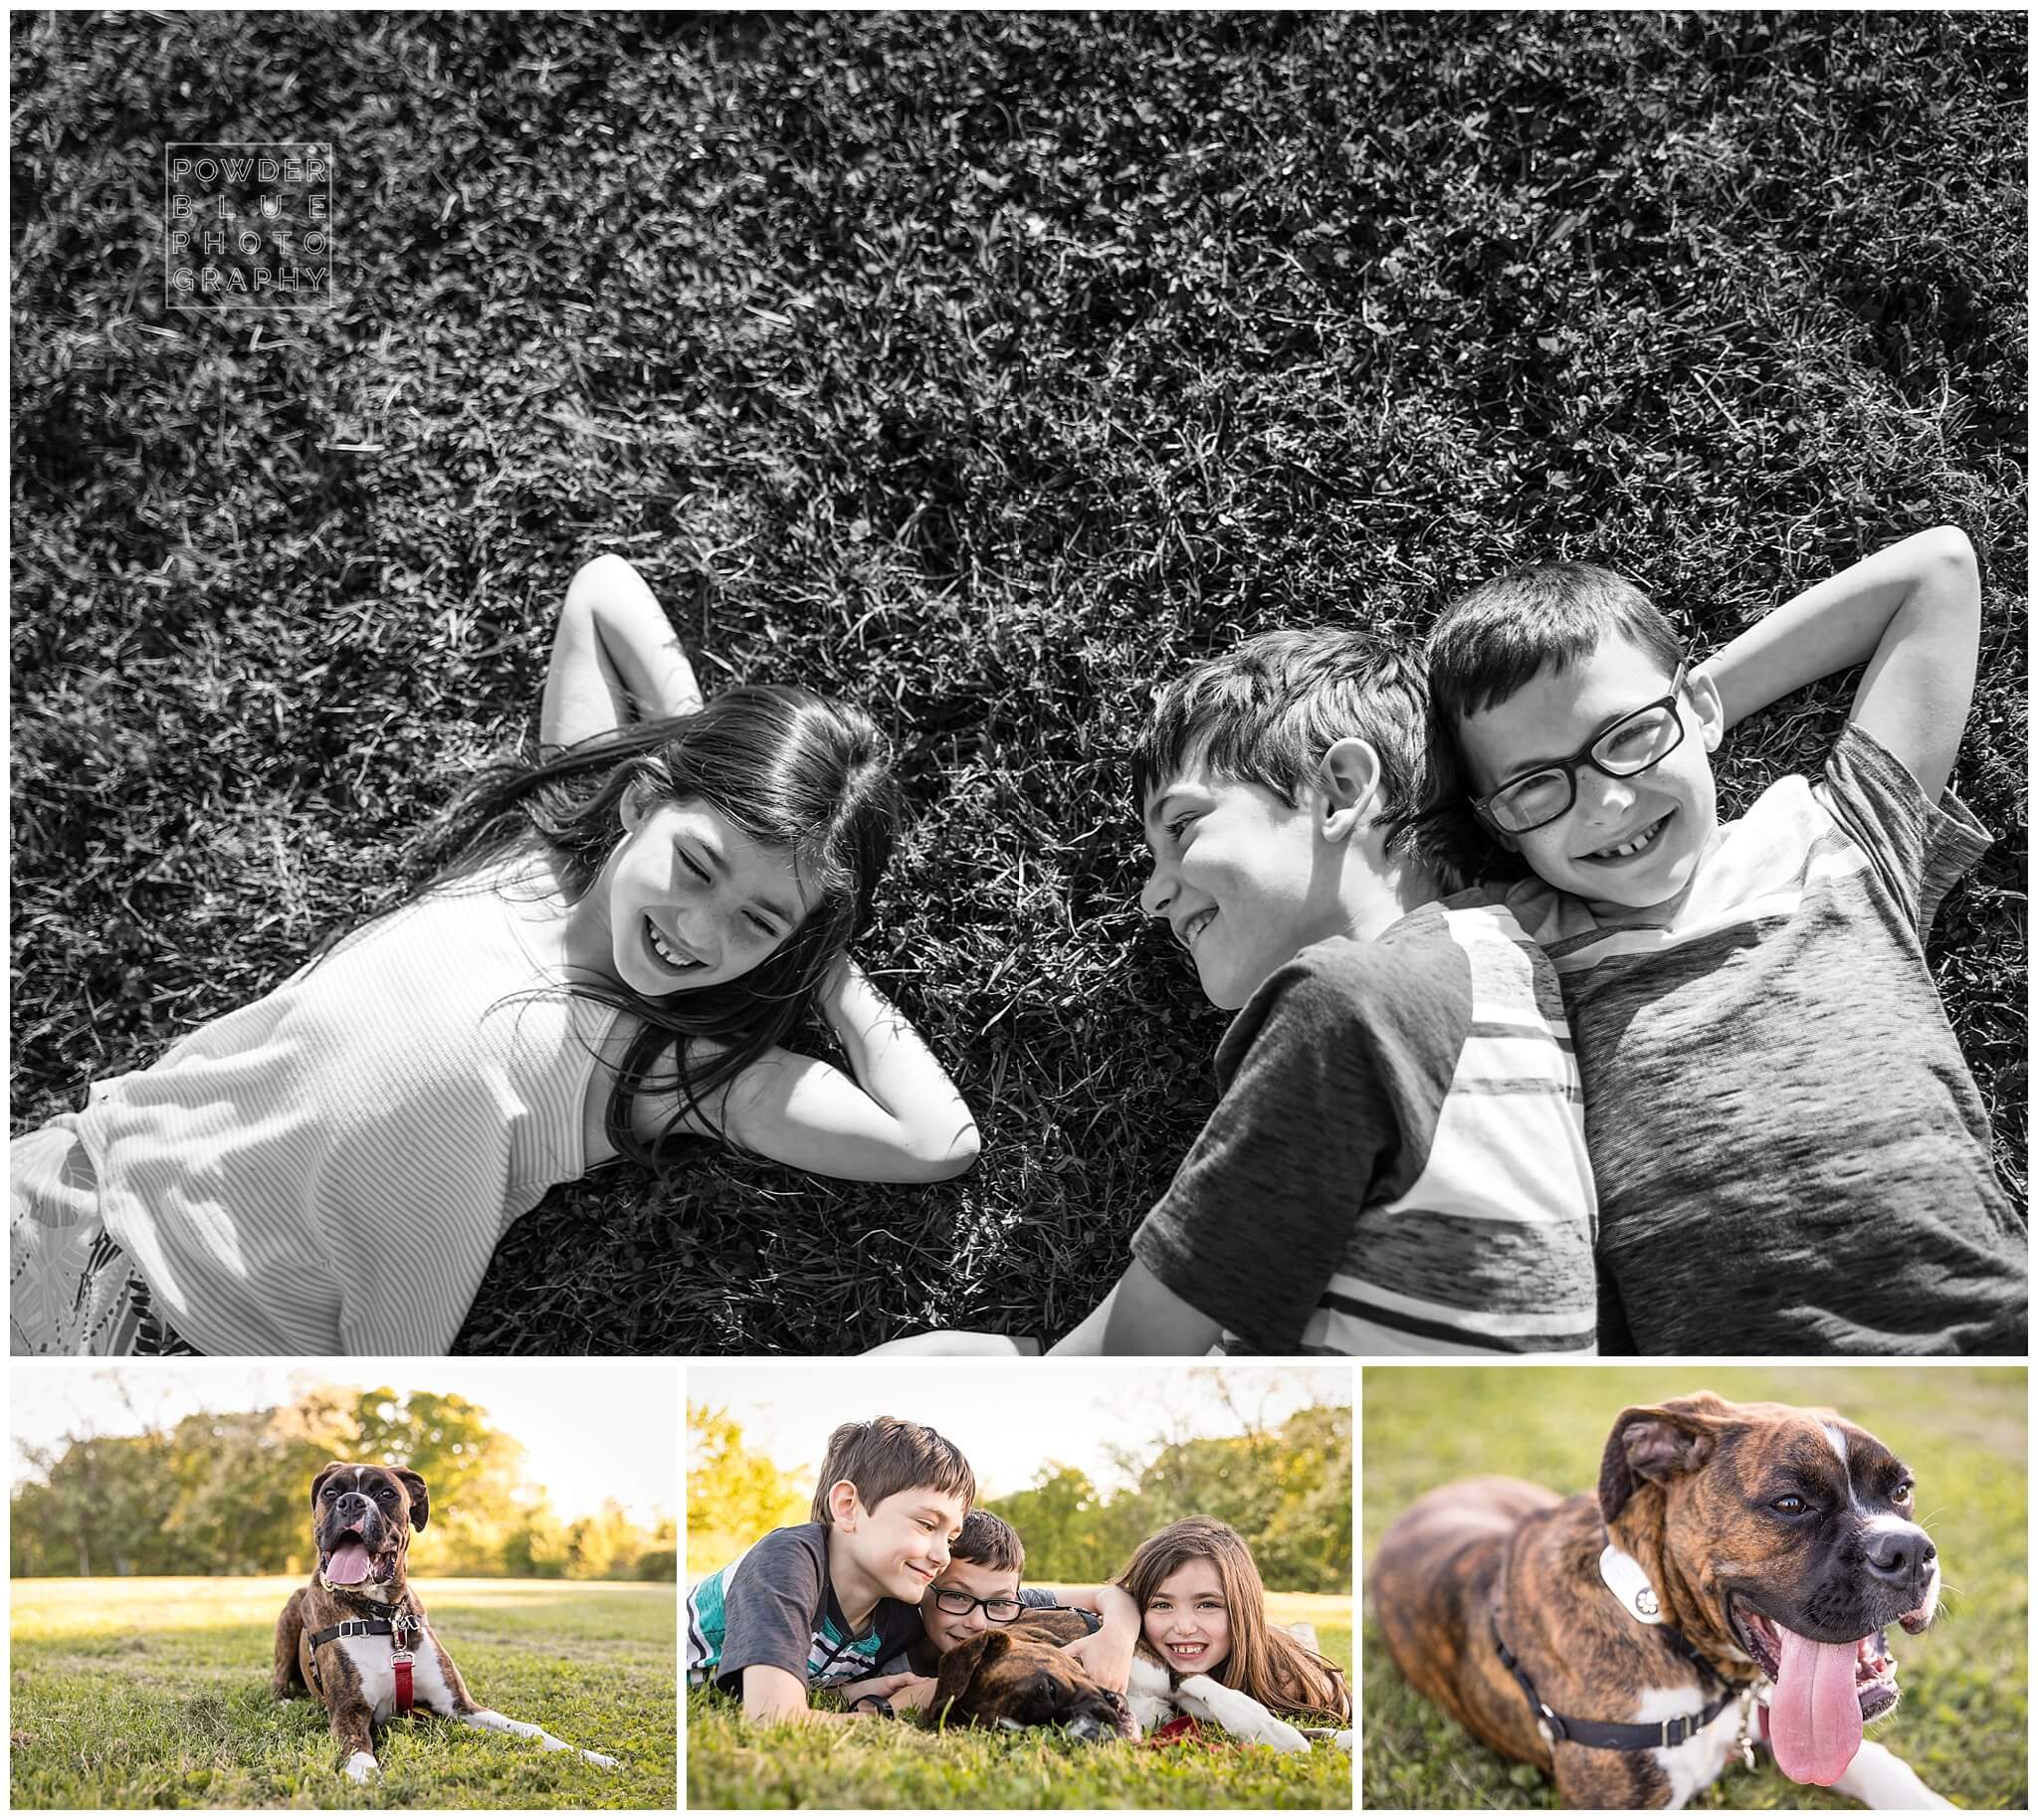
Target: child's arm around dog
pixel 1912 613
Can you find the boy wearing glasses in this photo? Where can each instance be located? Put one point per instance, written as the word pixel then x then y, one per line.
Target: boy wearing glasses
pixel 980 1588
pixel 1791 1152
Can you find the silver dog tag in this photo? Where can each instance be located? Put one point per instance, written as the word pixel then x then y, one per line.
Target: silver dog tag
pixel 1629 1584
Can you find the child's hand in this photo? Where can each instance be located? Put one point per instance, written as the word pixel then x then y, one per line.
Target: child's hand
pixel 1107 1653
pixel 915 1694
pixel 953 1343
pixel 887 1687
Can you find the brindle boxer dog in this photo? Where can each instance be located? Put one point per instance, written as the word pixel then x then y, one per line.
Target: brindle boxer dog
pixel 1018 1675
pixel 356 1636
pixel 1777 1543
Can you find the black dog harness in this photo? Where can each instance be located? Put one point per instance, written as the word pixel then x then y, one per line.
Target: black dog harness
pixel 1601 1735
pixel 403 1628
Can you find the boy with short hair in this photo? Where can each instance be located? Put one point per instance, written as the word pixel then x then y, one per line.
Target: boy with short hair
pixel 1397 1163
pixel 820 1604
pixel 1398 1160
pixel 980 1588
pixel 1791 1155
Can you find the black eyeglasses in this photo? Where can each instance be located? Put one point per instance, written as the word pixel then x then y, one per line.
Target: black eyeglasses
pixel 959 1604
pixel 1631 746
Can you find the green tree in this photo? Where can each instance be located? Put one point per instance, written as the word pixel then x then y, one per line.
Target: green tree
pixel 731 1491
pixel 474 1472
pixel 1067 1526
pixel 99 1508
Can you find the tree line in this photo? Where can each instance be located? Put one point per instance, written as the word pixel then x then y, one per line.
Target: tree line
pixel 1287 1489
pixel 229 1492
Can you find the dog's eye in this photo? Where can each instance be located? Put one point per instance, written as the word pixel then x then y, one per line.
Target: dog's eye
pixel 1902 1494
pixel 1791 1504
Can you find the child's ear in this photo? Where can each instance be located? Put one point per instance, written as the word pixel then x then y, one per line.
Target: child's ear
pixel 844 1504
pixel 1350 779
pixel 1710 711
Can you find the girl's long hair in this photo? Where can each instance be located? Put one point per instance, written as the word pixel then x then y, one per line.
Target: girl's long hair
pixel 793 771
pixel 1264 1661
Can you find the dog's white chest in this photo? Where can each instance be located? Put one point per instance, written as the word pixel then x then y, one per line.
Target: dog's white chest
pixel 374 1662
pixel 1698 1761
pixel 1155 1697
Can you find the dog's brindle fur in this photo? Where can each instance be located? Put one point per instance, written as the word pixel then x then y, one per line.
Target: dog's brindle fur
pixel 382 1505
pixel 1019 1674
pixel 1680 1488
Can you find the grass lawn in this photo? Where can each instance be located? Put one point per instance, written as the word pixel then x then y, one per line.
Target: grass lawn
pixel 155 1694
pixel 731 1763
pixel 984 369
pixel 1961 1717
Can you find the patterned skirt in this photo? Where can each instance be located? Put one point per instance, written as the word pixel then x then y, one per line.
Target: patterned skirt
pixel 71 1289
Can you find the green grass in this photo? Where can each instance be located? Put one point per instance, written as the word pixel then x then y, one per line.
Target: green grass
pixel 985 370
pixel 155 1694
pixel 1961 1719
pixel 731 1763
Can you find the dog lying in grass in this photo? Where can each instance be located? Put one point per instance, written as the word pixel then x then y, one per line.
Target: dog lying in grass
pixel 1018 1675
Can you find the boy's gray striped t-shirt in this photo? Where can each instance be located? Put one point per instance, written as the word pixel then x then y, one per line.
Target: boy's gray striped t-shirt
pixel 774 1607
pixel 1398 1163
pixel 1791 1155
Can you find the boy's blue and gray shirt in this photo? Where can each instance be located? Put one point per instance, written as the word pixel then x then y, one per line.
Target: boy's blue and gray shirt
pixel 1792 1155
pixel 773 1607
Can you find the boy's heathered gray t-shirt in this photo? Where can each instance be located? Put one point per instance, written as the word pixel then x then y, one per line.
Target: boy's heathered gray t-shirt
pixel 1791 1155
pixel 774 1606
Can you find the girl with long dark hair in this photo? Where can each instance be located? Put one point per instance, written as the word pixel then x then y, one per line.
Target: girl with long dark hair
pixel 1203 1611
pixel 619 933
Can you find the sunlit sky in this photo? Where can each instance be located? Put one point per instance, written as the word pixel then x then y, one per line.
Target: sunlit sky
pixel 591 1428
pixel 1008 1417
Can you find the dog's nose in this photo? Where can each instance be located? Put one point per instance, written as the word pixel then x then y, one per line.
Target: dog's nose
pixel 1901 1557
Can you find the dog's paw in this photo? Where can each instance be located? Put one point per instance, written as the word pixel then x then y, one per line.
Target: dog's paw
pixel 360 1766
pixel 1343 1740
pixel 598 1761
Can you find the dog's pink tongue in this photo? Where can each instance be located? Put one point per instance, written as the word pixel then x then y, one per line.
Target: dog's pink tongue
pixel 1815 1716
pixel 348 1565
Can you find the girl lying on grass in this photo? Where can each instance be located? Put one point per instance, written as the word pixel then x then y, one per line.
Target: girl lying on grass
pixel 1204 1612
pixel 621 931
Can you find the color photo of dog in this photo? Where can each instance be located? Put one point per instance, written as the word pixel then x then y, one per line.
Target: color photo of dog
pixel 1730 1589
pixel 358 1637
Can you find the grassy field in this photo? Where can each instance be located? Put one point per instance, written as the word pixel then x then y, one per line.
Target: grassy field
pixel 731 1763
pixel 1960 1720
pixel 983 369
pixel 155 1694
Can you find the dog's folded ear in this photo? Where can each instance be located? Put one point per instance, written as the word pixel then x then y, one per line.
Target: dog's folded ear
pixel 1655 1443
pixel 959 1668
pixel 414 1490
pixel 325 1472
